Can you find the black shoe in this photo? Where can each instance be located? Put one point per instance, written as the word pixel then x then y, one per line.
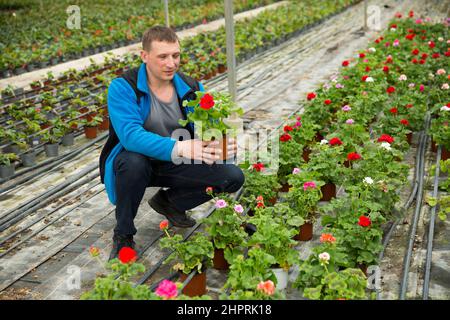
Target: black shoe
pixel 163 206
pixel 118 243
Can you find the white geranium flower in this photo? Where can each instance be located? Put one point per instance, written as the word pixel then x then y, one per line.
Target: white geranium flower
pixel 403 77
pixel 445 108
pixel 372 50
pixel 369 79
pixel 368 180
pixel 386 146
pixel 324 257
pixel 445 86
pixel 324 141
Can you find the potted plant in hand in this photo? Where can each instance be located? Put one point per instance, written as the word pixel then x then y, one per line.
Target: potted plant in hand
pixel 7 164
pixel 209 113
pixel 225 227
pixel 275 238
pixel 194 254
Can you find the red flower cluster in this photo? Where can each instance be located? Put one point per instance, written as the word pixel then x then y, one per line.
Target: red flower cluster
pixel 310 96
pixel 352 156
pixel 362 55
pixel 258 167
pixel 409 105
pixel 207 102
pixel 386 138
pixel 327 238
pixel 163 225
pixel 127 255
pixel 385 69
pixel 364 78
pixel 411 14
pixel 335 142
pixel 285 137
pixel 390 90
pixel 259 202
pixel 410 36
pixel 364 221
pixel 415 52
pixel 404 122
pixel 327 102
pixel 393 110
pixel 345 63
pixel 367 69
pixel 435 55
pixel 389 60
pixel 287 128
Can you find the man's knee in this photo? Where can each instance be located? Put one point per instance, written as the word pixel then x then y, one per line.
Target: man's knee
pixel 132 165
pixel 234 178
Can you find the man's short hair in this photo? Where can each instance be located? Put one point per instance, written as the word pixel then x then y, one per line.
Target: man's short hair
pixel 158 33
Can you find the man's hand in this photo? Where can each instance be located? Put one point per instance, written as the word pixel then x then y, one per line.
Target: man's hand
pixel 206 151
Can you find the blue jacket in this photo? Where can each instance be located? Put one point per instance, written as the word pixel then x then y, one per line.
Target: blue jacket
pixel 128 117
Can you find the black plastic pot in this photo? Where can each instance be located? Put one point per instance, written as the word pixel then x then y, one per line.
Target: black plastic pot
pixel 12 149
pixel 43 64
pixel 19 71
pixel 68 140
pixel 51 150
pixel 28 159
pixel 6 171
pixel 6 73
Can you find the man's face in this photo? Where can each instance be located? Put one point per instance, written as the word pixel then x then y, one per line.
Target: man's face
pixel 163 59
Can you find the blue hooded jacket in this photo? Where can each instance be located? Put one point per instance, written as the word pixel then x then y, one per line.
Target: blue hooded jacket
pixel 128 117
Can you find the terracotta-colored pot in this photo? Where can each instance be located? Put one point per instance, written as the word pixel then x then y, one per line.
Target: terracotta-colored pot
pixel 90 132
pixel 445 154
pixel 104 125
pixel 434 147
pixel 306 232
pixel 285 187
pixel 273 200
pixel 222 68
pixel 347 164
pixel 328 191
pixel 219 261
pixel 195 287
pixel 306 153
pixel 409 137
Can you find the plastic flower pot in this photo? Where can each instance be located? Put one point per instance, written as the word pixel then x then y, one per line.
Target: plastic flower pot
pixel 328 191
pixel 219 261
pixel 445 154
pixel 305 233
pixel 197 285
pixel 285 187
pixel 12 149
pixel 273 200
pixel 434 147
pixel 68 140
pixel 51 149
pixel 282 278
pixel 409 138
pixel 28 159
pixel 306 153
pixel 6 171
pixel 90 132
pixel 104 125
pixel 222 68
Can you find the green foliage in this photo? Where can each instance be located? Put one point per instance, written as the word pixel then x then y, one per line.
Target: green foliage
pixel 7 158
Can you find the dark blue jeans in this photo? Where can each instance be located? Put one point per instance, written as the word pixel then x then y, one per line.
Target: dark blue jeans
pixel 186 182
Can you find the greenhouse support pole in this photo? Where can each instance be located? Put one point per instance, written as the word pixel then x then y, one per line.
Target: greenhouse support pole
pixel 231 59
pixel 166 12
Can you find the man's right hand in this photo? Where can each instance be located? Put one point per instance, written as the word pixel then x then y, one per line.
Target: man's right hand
pixel 206 151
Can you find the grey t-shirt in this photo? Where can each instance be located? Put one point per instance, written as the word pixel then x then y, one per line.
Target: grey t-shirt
pixel 163 117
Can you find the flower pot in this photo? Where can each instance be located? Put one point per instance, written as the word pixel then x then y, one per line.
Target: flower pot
pixel 104 125
pixel 273 200
pixel 6 171
pixel 282 278
pixel 306 153
pixel 222 68
pixel 434 147
pixel 28 159
pixel 305 233
pixel 90 132
pixel 197 285
pixel 219 261
pixel 409 138
pixel 328 191
pixel 445 154
pixel 223 144
pixel 363 268
pixel 12 149
pixel 68 140
pixel 285 187
pixel 347 164
pixel 51 149
pixel 319 137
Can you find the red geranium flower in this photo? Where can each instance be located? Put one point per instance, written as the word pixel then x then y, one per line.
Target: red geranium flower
pixel 258 166
pixel 390 90
pixel 352 156
pixel 368 69
pixel 389 60
pixel 362 55
pixel 364 221
pixel 385 69
pixel 435 55
pixel 209 190
pixel 335 142
pixel 415 61
pixel 327 238
pixel 409 106
pixel 404 122
pixel 424 55
pixel 207 102
pixel 422 61
pixel 345 63
pixel 285 137
pixel 327 102
pixel 431 44
pixel 386 138
pixel 415 52
pixel 364 78
pixel 127 255
pixel 410 36
pixel 447 54
pixel 163 225
pixel 287 128
pixel 393 110
pixel 311 96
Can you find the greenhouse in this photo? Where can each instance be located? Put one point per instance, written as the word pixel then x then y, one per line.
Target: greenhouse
pixel 206 150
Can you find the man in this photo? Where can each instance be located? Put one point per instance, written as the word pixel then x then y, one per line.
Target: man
pixel 144 107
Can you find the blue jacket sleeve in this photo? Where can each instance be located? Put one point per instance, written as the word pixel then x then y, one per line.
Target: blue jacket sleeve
pixel 125 116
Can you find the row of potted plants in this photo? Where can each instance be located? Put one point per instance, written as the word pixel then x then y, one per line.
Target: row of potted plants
pixel 55 42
